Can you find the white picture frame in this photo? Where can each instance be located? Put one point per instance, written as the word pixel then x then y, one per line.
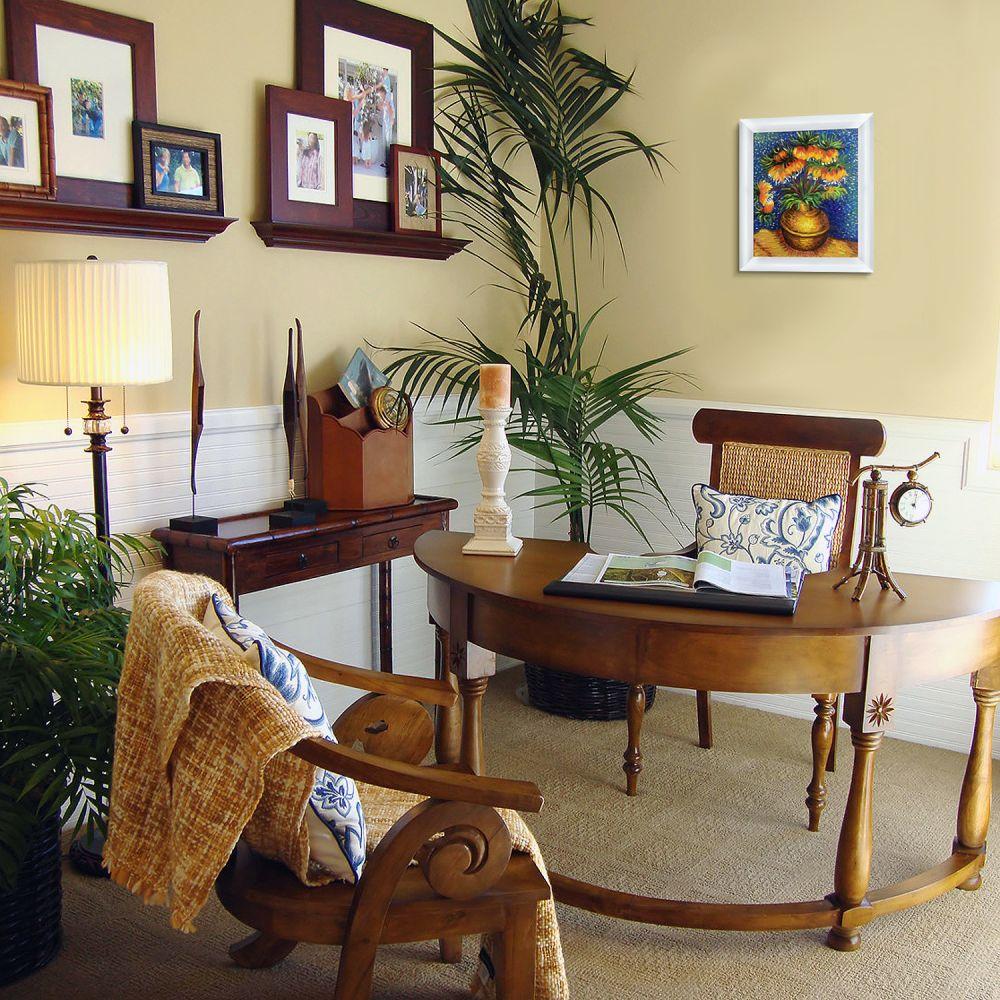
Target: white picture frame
pixel 371 183
pixel 65 56
pixel 326 131
pixel 863 262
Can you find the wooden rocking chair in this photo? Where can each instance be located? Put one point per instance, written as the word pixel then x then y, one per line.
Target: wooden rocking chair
pixel 777 456
pixel 466 881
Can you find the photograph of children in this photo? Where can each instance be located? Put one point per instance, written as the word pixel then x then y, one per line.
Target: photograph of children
pixel 177 171
pixel 309 172
pixel 416 191
pixel 87 98
pixel 373 92
pixel 11 141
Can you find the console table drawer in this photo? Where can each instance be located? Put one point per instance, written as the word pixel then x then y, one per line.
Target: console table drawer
pixel 383 544
pixel 304 560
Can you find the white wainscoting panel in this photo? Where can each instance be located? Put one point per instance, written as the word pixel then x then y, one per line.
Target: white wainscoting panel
pixel 242 467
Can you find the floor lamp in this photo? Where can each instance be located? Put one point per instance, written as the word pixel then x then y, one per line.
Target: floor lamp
pixel 93 323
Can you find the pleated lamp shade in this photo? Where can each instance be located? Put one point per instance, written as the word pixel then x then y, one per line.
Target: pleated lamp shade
pixel 90 322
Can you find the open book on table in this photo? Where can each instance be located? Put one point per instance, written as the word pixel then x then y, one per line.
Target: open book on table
pixel 709 581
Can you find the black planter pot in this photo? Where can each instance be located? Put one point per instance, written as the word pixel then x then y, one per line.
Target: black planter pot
pixel 30 932
pixel 575 696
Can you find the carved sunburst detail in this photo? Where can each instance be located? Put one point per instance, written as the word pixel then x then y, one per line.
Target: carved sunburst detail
pixel 879 710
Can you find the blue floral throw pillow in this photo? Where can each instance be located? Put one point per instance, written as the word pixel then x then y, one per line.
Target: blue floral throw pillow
pixel 334 819
pixel 792 532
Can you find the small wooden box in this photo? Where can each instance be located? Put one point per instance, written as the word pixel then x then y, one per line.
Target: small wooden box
pixel 354 464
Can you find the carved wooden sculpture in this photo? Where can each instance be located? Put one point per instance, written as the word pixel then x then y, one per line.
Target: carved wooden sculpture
pixel 300 396
pixel 195 523
pixel 289 415
pixel 197 406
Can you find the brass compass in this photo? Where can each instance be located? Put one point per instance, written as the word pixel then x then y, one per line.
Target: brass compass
pixel 910 505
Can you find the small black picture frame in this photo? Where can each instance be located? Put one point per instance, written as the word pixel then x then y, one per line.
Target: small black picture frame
pixel 169 162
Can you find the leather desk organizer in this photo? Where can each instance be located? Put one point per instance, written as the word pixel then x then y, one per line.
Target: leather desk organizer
pixel 353 463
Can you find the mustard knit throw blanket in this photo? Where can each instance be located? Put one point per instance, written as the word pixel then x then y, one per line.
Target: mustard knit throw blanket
pixel 199 763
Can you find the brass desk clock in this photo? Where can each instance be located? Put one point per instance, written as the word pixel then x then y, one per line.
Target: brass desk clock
pixel 910 504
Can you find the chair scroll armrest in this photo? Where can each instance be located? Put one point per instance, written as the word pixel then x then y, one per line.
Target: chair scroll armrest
pixel 453 786
pixel 431 692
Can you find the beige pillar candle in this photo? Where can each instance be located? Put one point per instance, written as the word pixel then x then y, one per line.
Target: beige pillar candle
pixel 494 387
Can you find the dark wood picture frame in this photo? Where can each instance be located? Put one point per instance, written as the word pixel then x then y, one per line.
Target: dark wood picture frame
pixel 24 16
pixel 395 202
pixel 42 97
pixel 147 135
pixel 280 102
pixel 312 16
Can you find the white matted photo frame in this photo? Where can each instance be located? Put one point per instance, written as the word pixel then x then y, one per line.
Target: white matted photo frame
pixel 416 191
pixel 382 63
pixel 101 70
pixel 807 194
pixel 27 156
pixel 309 158
pixel 177 169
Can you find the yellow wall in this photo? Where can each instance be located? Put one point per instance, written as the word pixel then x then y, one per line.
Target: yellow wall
pixel 919 335
pixel 212 61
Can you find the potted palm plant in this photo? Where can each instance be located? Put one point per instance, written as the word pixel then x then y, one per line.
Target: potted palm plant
pixel 61 645
pixel 522 136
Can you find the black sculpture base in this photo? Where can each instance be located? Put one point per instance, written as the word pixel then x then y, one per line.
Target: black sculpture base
pixel 314 506
pixel 291 518
pixel 196 524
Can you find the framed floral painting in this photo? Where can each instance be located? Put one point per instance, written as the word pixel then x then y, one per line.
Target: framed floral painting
pixel 806 193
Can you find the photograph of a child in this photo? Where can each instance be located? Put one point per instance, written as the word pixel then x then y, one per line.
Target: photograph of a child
pixel 416 191
pixel 177 171
pixel 11 141
pixel 373 92
pixel 87 97
pixel 309 172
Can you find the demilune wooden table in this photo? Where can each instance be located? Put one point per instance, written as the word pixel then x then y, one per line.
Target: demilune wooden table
pixel 867 651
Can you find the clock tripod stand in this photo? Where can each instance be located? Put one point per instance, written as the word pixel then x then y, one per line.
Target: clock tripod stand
pixel 875 502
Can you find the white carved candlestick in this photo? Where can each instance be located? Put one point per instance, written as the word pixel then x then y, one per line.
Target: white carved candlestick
pixel 493 517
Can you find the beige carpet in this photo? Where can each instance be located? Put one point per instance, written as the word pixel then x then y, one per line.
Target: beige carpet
pixel 724 825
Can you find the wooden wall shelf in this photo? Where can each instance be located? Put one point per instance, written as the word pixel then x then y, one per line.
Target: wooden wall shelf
pixel 101 220
pixel 303 237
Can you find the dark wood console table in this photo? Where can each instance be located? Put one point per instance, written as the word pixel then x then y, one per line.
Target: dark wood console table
pixel 247 556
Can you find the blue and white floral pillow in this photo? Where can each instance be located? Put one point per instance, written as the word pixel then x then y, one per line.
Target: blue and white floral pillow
pixel 792 532
pixel 334 819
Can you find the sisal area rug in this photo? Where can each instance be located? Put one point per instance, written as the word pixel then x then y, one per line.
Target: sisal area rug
pixel 722 825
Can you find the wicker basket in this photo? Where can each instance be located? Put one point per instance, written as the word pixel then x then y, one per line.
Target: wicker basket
pixel 30 931
pixel 575 696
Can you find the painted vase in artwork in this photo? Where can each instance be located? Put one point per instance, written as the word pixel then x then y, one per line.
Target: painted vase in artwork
pixel 806 193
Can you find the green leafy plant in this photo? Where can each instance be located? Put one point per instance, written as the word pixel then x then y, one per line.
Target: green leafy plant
pixel 61 646
pixel 523 88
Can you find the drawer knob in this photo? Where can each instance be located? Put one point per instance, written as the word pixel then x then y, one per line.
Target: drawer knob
pixel 394 541
pixel 303 560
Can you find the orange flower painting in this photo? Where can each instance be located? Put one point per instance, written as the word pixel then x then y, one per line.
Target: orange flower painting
pixel 806 194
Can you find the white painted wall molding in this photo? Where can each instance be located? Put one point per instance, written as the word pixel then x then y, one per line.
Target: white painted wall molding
pixel 242 467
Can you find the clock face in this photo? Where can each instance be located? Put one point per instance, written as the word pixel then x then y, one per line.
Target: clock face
pixel 912 504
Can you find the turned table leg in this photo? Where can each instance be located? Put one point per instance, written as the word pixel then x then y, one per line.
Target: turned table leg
pixel 632 767
pixel 977 788
pixel 822 741
pixel 472 690
pixel 448 724
pixel 854 850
